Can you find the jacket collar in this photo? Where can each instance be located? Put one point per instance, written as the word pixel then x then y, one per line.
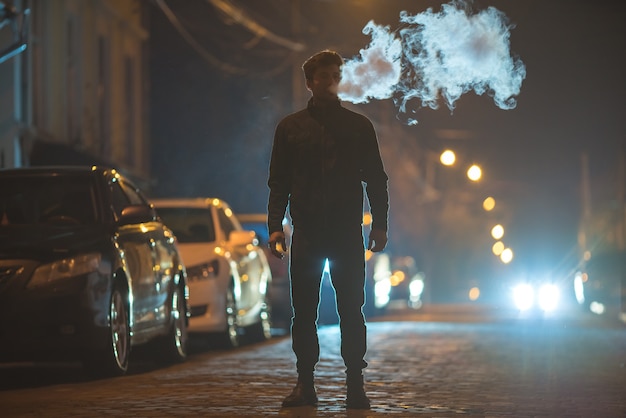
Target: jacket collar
pixel 314 104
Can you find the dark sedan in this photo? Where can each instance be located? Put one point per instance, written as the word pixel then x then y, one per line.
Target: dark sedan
pixel 87 271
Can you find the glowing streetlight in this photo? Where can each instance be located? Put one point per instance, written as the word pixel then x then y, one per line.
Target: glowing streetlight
pixel 497 232
pixel 506 256
pixel 447 157
pixel 474 173
pixel 489 204
pixel 497 248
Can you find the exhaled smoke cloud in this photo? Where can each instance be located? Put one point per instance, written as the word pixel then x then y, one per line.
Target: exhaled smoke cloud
pixel 438 55
pixel 377 73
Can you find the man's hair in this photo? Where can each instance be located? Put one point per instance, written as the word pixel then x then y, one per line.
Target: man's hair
pixel 321 59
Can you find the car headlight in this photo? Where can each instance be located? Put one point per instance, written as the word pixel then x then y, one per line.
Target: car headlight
pixel 548 297
pixel 579 289
pixel 65 269
pixel 382 289
pixel 416 288
pixel 523 296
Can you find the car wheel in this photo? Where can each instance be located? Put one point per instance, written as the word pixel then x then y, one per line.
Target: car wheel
pixel 113 360
pixel 175 345
pixel 262 330
pixel 232 336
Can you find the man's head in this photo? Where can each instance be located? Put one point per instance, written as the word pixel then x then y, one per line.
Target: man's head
pixel 322 73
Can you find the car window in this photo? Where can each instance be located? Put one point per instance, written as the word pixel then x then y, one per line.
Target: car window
pixel 225 222
pixel 123 195
pixel 134 197
pixel 50 200
pixel 119 200
pixel 190 225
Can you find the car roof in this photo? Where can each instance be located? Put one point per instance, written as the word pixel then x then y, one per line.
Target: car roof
pixel 188 202
pixel 252 217
pixel 59 169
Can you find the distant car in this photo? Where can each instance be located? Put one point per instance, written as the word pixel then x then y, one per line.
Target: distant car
pixel 377 287
pixel 228 272
pixel 538 292
pixel 279 292
pixel 600 286
pixel 87 270
pixel 407 283
pixel 378 276
pixel 536 297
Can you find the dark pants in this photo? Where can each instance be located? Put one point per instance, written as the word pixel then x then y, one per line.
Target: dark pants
pixel 346 257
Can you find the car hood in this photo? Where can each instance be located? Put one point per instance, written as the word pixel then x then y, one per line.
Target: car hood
pixel 43 242
pixel 194 254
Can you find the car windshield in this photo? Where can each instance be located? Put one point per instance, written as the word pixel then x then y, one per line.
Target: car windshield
pixel 33 200
pixel 190 225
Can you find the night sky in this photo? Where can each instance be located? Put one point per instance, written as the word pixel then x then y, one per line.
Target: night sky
pixel 212 123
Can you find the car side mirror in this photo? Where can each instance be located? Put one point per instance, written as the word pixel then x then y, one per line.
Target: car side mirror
pixel 136 214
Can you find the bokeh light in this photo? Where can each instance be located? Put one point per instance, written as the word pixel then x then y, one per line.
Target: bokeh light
pixel 489 204
pixel 447 157
pixel 497 232
pixel 506 256
pixel 474 173
pixel 497 248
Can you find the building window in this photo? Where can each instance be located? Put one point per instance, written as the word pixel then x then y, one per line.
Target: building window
pixel 130 114
pixel 104 98
pixel 72 82
pixel 36 48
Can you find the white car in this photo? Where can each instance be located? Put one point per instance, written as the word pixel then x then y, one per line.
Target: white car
pixel 279 292
pixel 228 273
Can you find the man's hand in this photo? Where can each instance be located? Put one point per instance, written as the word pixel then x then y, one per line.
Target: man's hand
pixel 277 244
pixel 377 240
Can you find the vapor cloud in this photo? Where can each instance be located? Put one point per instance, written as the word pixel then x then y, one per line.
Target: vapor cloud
pixel 438 56
pixel 377 72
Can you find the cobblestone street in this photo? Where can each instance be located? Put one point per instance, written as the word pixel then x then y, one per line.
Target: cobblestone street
pixel 416 368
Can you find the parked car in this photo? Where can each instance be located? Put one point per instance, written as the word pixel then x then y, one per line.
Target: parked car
pixel 279 293
pixel 87 270
pixel 228 272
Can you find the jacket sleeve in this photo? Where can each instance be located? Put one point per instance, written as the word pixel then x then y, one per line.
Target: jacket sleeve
pixel 375 179
pixel 279 181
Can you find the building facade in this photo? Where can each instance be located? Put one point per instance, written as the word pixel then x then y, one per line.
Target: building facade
pixel 73 84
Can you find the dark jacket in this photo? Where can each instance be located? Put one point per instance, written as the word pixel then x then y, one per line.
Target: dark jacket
pixel 321 157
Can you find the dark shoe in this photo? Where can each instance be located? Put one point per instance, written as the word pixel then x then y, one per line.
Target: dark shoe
pixel 302 395
pixel 356 397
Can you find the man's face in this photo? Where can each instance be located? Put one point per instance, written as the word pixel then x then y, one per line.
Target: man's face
pixel 324 85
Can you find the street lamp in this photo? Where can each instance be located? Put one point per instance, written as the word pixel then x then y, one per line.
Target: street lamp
pixel 497 232
pixel 447 157
pixel 506 256
pixel 497 248
pixel 489 204
pixel 474 173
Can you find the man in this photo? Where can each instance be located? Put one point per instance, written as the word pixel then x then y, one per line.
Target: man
pixel 321 157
